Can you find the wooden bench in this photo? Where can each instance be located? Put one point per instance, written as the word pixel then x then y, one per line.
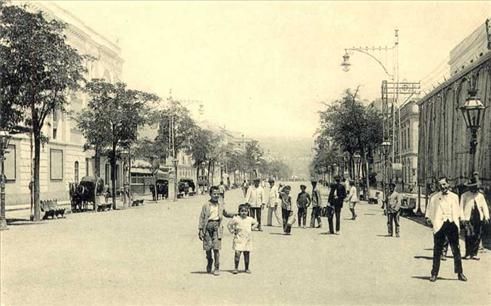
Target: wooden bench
pixel 137 202
pixel 50 208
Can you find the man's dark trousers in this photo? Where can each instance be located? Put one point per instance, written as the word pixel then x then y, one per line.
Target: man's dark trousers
pixel 393 219
pixel 451 231
pixel 473 234
pixel 337 213
pixel 255 212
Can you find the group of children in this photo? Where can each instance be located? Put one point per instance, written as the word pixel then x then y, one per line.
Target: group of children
pixel 241 225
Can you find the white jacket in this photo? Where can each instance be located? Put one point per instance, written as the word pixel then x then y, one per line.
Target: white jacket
pixel 434 210
pixel 467 203
pixel 255 197
pixel 274 196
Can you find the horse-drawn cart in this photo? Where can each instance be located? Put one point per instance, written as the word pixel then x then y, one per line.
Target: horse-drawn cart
pixel 88 193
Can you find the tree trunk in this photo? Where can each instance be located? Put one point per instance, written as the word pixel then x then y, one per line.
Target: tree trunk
pixel 113 174
pixel 37 162
pixel 97 161
pixel 210 180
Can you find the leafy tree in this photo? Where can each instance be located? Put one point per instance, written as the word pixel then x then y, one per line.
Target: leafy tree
pixel 38 69
pixel 351 126
pixel 201 148
pixel 252 155
pixel 176 130
pixel 112 118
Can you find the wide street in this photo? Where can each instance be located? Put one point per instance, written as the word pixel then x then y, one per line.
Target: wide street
pixel 151 255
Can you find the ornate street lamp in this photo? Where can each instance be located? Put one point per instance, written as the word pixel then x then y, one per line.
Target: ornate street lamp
pixel 345 64
pixel 473 111
pixel 4 143
pixel 386 149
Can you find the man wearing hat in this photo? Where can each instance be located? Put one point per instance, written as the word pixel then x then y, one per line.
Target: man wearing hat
pixel 475 213
pixel 445 216
pixel 393 209
pixel 273 202
pixel 256 199
pixel 336 198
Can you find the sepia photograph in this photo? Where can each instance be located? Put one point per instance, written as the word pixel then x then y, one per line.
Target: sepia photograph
pixel 245 153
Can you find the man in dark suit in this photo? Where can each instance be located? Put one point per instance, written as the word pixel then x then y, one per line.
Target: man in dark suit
pixel 336 198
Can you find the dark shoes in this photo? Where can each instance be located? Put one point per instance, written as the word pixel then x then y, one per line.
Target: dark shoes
pixel 460 276
pixel 443 258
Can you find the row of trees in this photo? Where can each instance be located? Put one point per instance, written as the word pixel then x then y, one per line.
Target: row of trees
pixel 347 127
pixel 38 72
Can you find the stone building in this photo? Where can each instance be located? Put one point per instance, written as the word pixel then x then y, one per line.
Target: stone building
pixel 63 159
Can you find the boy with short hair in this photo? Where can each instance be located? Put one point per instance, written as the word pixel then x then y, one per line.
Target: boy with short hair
pixel 303 202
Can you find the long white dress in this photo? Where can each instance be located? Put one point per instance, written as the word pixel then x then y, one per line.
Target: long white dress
pixel 242 230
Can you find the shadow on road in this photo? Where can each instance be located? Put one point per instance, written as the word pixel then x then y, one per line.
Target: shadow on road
pixel 386 236
pixel 427 278
pixel 423 257
pixel 17 221
pixel 370 214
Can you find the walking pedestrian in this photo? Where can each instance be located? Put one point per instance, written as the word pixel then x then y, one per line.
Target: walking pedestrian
pixel 434 188
pixel 331 201
pixel 303 202
pixel 256 199
pixel 338 196
pixel 352 199
pixel 393 210
pixel 316 206
pixel 241 227
pixel 287 209
pixel 245 187
pixel 210 229
pixel 476 213
pixel 221 190
pixel 273 202
pixel 445 217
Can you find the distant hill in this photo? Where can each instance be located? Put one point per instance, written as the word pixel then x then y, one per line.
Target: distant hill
pixel 296 152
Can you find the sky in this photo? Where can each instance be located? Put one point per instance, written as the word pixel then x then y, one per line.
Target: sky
pixel 263 68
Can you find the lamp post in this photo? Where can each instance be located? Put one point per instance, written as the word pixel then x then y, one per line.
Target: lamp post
pixel 124 158
pixel 473 110
pixel 4 143
pixel 174 163
pixel 386 149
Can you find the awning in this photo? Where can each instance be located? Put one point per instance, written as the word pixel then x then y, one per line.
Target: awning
pixel 141 170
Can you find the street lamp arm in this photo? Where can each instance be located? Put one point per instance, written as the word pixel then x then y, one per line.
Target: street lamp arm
pixel 372 56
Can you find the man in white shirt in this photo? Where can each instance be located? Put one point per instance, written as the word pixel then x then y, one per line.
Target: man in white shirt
pixel 445 214
pixel 256 199
pixel 273 202
pixel 475 213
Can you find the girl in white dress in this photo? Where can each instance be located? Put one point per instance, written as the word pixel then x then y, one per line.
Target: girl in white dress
pixel 241 226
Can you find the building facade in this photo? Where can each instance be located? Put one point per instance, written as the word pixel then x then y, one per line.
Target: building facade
pixel 408 154
pixel 63 159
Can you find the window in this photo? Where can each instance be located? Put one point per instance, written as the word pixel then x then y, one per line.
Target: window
pixel 9 163
pixel 55 124
pixel 107 177
pixel 75 172
pixel 56 164
pixel 87 166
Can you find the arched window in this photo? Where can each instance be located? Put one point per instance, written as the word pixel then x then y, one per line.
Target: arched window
pixel 75 172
